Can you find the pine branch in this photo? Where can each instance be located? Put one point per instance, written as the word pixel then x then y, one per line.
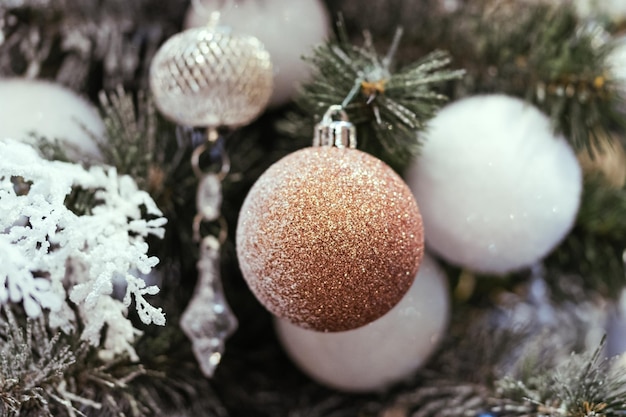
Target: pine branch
pixel 49 373
pixel 574 85
pixel 388 108
pixel 32 363
pixel 544 54
pixel 132 145
pixel 149 148
pixel 584 386
pixel 593 250
pixel 84 45
pixel 603 209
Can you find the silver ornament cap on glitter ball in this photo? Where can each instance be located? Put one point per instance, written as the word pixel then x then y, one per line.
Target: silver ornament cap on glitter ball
pixel 209 76
pixel 330 238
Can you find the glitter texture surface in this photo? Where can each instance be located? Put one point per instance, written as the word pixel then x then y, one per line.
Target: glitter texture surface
pixel 329 239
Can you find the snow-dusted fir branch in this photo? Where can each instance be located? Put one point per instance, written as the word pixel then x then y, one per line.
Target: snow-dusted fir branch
pixel 515 359
pixel 46 373
pixel 32 363
pixel 56 260
pixel 586 385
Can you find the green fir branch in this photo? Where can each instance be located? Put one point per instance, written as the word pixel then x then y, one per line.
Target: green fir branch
pixel 594 249
pixel 388 107
pixel 603 209
pixel 517 358
pixel 46 372
pixel 585 385
pixel 32 365
pixel 546 55
pixel 140 143
pixel 574 85
pixel 131 137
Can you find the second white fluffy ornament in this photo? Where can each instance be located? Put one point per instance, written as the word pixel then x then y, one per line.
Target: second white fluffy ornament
pixel 612 9
pixel 497 189
pixel 287 28
pixel 617 66
pixel 49 110
pixel 382 352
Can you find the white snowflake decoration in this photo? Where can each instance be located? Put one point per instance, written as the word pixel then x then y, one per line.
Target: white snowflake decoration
pixel 52 257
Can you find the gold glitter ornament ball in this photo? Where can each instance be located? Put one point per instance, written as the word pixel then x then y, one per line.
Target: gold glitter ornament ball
pixel 329 238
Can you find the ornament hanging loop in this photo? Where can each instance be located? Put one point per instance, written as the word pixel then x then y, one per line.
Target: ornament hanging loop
pixel 222 233
pixel 212 144
pixel 335 129
pixel 209 193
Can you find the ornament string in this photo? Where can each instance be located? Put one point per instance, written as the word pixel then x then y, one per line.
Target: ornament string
pixel 208 320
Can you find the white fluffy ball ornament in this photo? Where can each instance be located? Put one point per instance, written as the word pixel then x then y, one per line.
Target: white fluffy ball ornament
pixel 497 189
pixel 287 28
pixel 613 9
pixel 52 111
pixel 382 352
pixel 617 62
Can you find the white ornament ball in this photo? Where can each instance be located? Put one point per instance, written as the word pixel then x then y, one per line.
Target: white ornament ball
pixel 288 29
pixel 52 111
pixel 498 190
pixel 617 62
pixel 613 9
pixel 382 352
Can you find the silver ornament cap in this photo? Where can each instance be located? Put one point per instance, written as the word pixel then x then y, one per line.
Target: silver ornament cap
pixel 335 129
pixel 211 77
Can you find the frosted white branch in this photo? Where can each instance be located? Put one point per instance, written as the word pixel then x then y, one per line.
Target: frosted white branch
pixel 46 248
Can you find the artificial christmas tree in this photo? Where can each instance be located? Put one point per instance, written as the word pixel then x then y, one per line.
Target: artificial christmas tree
pixel 120 267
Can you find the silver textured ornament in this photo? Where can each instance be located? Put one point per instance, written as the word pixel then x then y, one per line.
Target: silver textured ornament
pixel 209 76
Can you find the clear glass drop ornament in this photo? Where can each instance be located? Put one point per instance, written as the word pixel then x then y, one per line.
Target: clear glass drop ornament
pixel 208 320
